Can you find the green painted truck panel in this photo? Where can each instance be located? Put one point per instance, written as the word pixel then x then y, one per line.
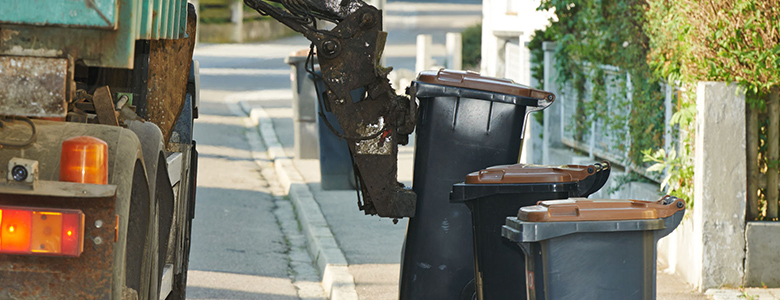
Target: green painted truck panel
pixel 39 28
pixel 81 13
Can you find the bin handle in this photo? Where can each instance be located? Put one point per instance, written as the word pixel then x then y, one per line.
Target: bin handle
pixel 541 104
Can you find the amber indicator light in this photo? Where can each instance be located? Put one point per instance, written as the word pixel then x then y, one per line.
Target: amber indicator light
pixel 84 159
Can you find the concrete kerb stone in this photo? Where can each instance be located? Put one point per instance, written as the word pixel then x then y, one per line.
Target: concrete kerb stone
pixel 337 282
pixel 724 294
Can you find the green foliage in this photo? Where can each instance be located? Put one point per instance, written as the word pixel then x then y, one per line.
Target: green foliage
pixel 591 33
pixel 679 172
pixel 471 38
pixel 734 40
pixel 698 40
pixel 549 34
pixel 747 296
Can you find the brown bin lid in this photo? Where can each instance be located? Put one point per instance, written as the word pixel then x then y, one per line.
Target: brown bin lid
pixel 598 210
pixel 522 173
pixel 472 80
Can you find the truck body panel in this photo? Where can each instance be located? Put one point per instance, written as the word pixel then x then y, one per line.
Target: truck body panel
pixel 130 82
pixel 91 13
pixel 26 31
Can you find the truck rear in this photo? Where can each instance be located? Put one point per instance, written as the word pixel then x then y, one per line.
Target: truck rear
pixel 97 162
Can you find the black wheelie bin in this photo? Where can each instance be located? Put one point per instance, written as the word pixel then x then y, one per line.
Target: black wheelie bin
pixel 465 122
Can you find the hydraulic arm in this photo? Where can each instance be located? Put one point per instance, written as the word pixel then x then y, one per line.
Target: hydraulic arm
pixel 373 118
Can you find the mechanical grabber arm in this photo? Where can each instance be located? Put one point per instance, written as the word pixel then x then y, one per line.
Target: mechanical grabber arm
pixel 374 119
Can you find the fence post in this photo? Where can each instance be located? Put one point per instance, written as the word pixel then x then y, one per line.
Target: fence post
pixel 668 109
pixel 424 43
pixel 773 135
pixel 592 140
pixel 532 142
pixel 630 100
pixel 752 162
pixel 237 19
pixel 719 184
pixel 553 127
pixel 454 51
pixel 669 94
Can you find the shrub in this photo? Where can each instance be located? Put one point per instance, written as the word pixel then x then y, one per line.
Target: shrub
pixel 472 46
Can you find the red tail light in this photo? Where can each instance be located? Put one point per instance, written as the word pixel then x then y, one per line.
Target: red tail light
pixel 41 231
pixel 15 235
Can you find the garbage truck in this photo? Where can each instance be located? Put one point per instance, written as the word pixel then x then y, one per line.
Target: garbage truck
pixel 99 166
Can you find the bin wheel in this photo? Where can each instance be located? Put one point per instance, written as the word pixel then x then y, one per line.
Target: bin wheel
pixel 469 291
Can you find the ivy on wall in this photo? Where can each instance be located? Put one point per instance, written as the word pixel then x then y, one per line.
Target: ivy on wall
pixel 590 33
pixel 676 41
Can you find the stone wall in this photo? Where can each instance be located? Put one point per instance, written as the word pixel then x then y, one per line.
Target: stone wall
pixel 762 260
pixel 720 184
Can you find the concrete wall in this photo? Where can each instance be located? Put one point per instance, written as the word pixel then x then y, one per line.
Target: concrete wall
pixel 720 187
pixel 762 260
pixel 680 253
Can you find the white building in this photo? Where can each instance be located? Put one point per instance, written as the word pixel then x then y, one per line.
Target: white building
pixel 506 27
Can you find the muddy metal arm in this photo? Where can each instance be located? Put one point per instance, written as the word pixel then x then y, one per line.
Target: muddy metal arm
pixel 374 119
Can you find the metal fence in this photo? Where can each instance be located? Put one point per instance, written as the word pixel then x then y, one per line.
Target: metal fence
pixel 602 129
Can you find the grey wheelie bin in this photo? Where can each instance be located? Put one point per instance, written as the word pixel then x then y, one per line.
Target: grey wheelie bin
pixel 304 106
pixel 465 122
pixel 592 249
pixel 312 137
pixel 498 192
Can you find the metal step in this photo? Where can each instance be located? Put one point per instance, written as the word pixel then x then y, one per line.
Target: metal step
pixel 174 161
pixel 166 284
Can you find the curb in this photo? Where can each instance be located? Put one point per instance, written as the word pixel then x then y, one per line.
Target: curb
pixel 337 282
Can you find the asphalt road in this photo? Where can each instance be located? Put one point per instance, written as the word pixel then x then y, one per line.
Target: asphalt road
pixel 241 248
pixel 238 250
